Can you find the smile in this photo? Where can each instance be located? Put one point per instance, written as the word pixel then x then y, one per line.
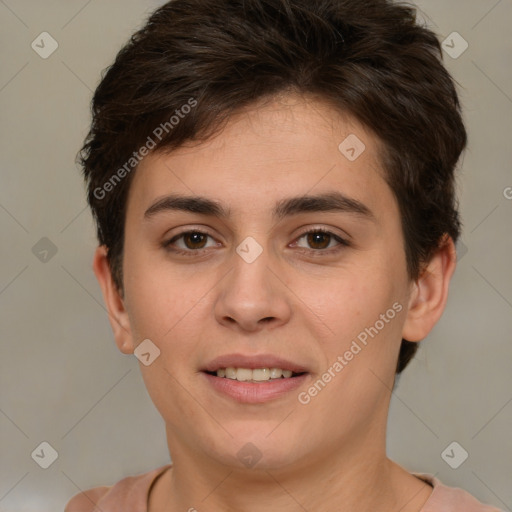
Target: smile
pixel 253 391
pixel 254 375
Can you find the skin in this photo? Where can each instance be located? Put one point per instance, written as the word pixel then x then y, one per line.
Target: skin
pixel 330 453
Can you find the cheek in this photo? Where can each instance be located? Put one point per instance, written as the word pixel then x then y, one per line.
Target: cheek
pixel 164 304
pixel 349 300
pixel 365 318
pixel 159 295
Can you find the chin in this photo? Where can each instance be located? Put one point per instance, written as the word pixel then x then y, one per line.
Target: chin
pixel 262 447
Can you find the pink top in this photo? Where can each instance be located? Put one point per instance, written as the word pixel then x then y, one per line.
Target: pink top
pixel 131 494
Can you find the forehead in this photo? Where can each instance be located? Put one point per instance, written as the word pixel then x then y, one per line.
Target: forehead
pixel 290 145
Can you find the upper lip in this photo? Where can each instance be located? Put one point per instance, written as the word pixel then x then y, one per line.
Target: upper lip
pixel 253 362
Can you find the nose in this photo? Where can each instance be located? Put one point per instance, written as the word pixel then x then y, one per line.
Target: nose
pixel 252 296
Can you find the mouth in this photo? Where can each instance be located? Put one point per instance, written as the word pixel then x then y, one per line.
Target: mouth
pixel 254 379
pixel 255 375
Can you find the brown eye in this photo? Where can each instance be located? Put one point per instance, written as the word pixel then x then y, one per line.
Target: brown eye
pixel 194 240
pixel 190 242
pixel 319 240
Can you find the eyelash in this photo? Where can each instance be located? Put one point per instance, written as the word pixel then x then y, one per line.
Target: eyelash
pixel 316 252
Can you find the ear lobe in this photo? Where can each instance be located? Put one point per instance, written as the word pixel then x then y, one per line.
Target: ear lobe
pixel 117 313
pixel 430 292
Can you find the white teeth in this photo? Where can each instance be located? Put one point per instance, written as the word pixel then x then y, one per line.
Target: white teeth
pixel 230 373
pixel 257 375
pixel 261 374
pixel 275 373
pixel 243 374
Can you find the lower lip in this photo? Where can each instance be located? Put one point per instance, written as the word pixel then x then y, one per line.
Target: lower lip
pixel 252 392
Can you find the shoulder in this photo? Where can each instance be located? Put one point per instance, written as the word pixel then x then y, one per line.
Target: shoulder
pixel 86 501
pixel 451 499
pixel 129 494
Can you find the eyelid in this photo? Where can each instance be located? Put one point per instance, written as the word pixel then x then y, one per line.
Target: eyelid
pixel 342 241
pixel 167 243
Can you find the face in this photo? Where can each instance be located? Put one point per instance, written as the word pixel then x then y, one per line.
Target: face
pixel 317 287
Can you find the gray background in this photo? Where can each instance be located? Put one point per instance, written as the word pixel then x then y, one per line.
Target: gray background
pixel 63 380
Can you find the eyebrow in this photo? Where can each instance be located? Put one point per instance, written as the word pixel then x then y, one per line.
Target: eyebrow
pixel 327 202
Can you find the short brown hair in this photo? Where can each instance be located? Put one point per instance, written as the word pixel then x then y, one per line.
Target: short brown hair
pixel 369 59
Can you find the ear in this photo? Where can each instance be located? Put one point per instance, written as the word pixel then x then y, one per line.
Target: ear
pixel 117 313
pixel 430 292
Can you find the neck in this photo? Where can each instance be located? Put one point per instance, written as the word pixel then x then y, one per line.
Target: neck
pixel 359 480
